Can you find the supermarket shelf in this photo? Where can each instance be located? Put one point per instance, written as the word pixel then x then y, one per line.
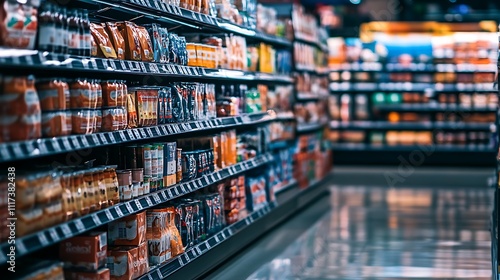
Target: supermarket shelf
pixel 302 39
pixel 56 145
pixel 289 185
pixel 55 234
pixel 159 11
pixel 305 96
pixel 231 240
pixel 310 127
pixel 432 107
pixel 414 67
pixel 437 87
pixel 384 125
pixel 166 270
pixel 433 148
pixel 283 116
pixel 44 62
pixel 311 70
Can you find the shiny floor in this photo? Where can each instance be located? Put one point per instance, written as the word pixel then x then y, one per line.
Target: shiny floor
pixel 361 232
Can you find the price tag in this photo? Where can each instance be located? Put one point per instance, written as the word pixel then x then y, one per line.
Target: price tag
pixel 217 238
pixel 157 130
pixel 138 204
pixel 208 245
pixel 153 68
pixel 96 219
pixel 105 64
pixel 137 134
pixel 155 2
pixel 168 8
pixel 129 208
pixel 130 134
pixel 20 247
pixel 43 239
pixel 198 250
pixel 163 196
pixel 79 225
pixel 108 214
pixel 18 152
pixel 143 67
pixel 169 192
pixel 123 66
pixel 143 133
pixel 183 188
pixel 103 138
pixel 112 138
pixel 53 234
pixel 131 65
pixel 5 153
pixel 156 198
pixel 181 262
pixel 65 230
pixel 149 131
pixel 112 64
pixel 94 63
pixel 122 135
pixel 178 11
pixel 119 211
pixel 95 139
pixel 148 201
pixel 76 144
pixel 55 145
pixel 187 258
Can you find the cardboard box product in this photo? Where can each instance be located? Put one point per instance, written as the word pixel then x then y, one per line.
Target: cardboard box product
pixel 121 262
pixel 101 274
pixel 142 262
pixel 157 236
pixel 128 231
pixel 85 251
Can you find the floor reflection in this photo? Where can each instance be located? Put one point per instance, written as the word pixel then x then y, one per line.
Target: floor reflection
pixel 380 233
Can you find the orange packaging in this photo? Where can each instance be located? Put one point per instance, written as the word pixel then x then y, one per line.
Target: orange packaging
pixel 120 262
pixel 176 246
pixel 102 40
pixel 128 231
pixel 141 265
pixel 101 274
pixel 158 236
pixel 133 49
pixel 146 45
pixel 192 57
pixel 116 39
pixel 85 251
pixel 52 94
pixel 54 124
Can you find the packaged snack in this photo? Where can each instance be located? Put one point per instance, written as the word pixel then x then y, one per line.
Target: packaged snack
pixel 101 274
pixel 129 32
pixel 130 230
pixel 142 263
pixel 116 39
pixel 131 111
pixel 112 186
pixel 52 94
pixel 161 106
pixel 120 262
pixel 170 167
pixel 154 35
pixel 176 245
pixel 81 95
pixel 85 252
pixel 54 124
pixel 158 236
pixel 82 121
pixel 177 104
pixel 189 165
pixel 173 48
pixel 102 40
pixel 124 184
pixel 165 45
pixel 146 45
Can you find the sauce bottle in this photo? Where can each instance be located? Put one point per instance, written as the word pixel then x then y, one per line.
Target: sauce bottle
pixel 81 34
pixel 63 32
pixel 59 41
pixel 73 33
pixel 47 28
pixel 86 31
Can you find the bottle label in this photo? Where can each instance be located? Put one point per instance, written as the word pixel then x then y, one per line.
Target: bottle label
pixel 46 39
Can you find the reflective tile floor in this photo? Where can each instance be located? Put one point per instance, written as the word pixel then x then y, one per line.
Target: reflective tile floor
pixel 377 233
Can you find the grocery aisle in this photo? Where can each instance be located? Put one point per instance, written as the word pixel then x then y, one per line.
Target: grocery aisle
pixel 376 232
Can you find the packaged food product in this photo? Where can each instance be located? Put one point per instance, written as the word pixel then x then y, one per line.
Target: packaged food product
pixel 20 112
pixel 158 236
pixel 133 50
pixel 54 123
pixel 85 251
pixel 116 39
pixel 82 121
pixel 146 45
pixel 142 263
pixel 52 94
pixel 131 111
pixel 125 184
pixel 102 40
pixel 81 95
pixel 154 35
pixel 112 186
pixel 128 231
pixel 188 166
pixel 97 92
pixel 120 262
pixel 161 161
pixel 165 44
pixel 113 118
pixel 101 274
pixel 176 245
pixel 122 93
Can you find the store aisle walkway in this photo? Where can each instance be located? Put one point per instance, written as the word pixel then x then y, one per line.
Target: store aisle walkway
pixel 377 233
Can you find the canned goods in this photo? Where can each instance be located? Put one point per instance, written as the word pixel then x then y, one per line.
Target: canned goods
pixel 147 185
pixel 124 184
pixel 159 147
pixel 147 163
pixel 154 161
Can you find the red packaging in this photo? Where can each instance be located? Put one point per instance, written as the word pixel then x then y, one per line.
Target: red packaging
pixel 85 251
